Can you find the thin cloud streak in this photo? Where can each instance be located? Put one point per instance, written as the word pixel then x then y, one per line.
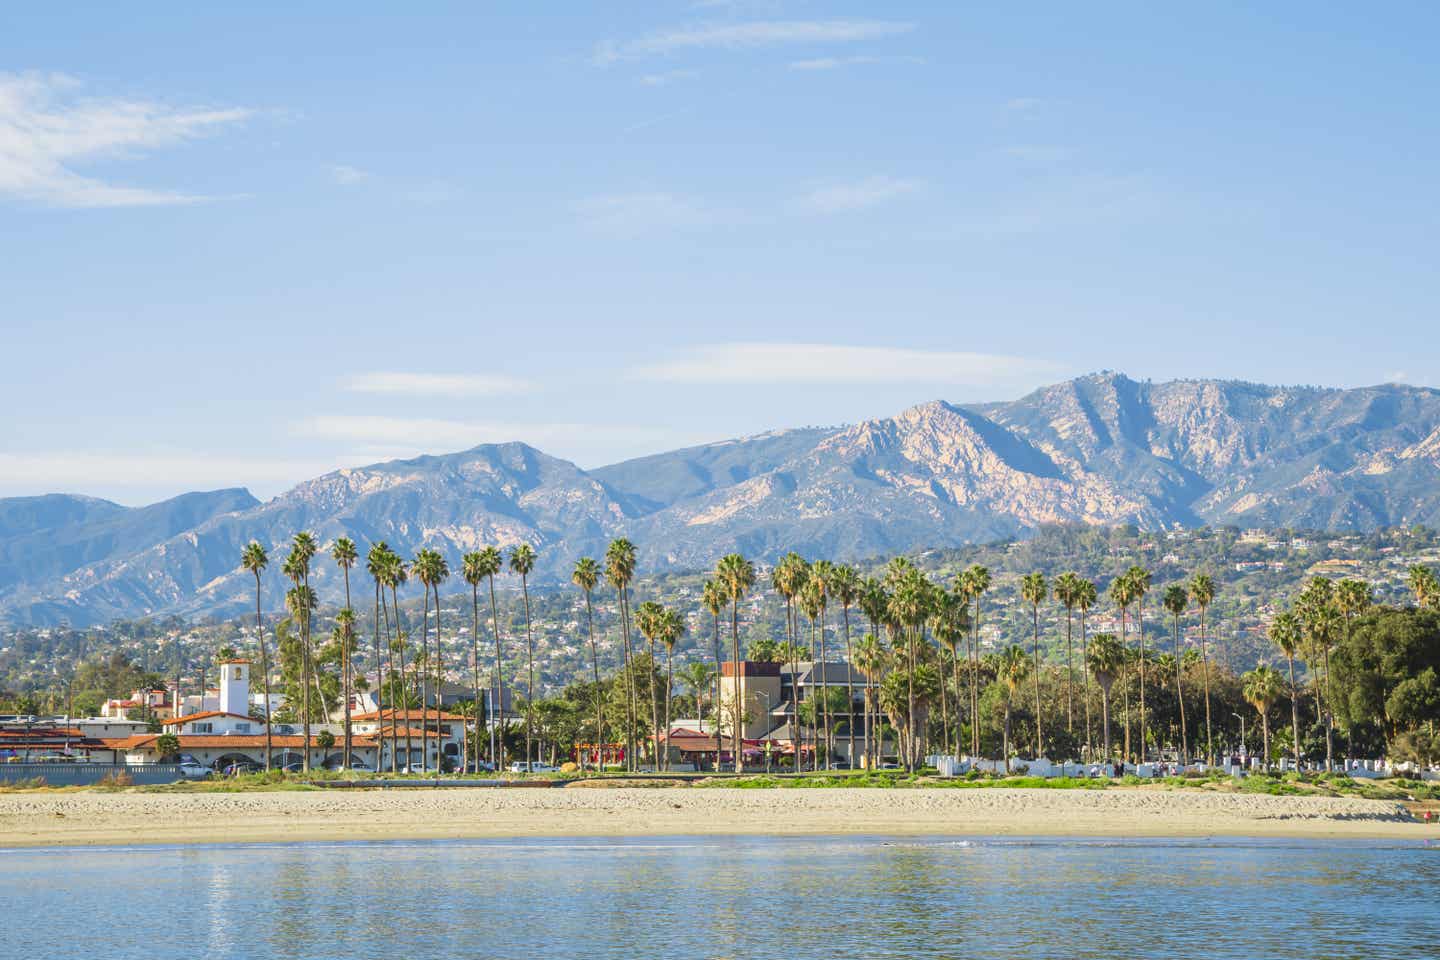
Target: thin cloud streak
pixel 747 36
pixel 856 195
pixel 835 63
pixel 46 128
pixel 838 364
pixel 436 384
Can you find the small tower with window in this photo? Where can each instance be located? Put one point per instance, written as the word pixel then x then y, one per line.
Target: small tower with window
pixel 235 687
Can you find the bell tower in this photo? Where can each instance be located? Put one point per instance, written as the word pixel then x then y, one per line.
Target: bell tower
pixel 235 686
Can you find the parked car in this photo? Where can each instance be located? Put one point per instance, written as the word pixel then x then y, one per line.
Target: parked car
pixel 190 770
pixel 334 763
pixel 242 766
pixel 521 766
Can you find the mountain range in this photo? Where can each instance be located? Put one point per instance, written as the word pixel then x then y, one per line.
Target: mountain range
pixel 1100 449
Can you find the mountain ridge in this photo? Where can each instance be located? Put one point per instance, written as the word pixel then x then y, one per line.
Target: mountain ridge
pixel 1099 449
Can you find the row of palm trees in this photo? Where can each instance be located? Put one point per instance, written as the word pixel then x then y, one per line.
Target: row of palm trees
pixel 914 621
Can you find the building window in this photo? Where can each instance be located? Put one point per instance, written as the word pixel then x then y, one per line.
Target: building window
pixel 203 728
pixel 242 728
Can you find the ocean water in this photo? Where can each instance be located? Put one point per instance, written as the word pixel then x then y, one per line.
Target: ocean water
pixel 724 897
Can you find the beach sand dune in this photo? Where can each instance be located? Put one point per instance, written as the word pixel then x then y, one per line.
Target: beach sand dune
pixel 77 819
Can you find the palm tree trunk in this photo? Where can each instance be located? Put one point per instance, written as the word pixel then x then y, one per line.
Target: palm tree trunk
pixel 1329 720
pixel 530 682
pixel 475 667
pixel 423 667
pixel 1069 673
pixel 595 668
pixel 1205 666
pixel 1140 626
pixel 975 681
pixel 404 693
pixel 738 714
pixel 849 690
pixel 715 706
pixel 910 755
pixel 1105 717
pixel 306 670
pixel 264 669
pixel 654 702
pixel 440 688
pixel 944 709
pixel 1180 695
pixel 1294 715
pixel 1005 744
pixel 669 686
pixel 379 689
pixel 498 757
pixel 824 698
pixel 1085 675
pixel 345 668
pixel 1035 620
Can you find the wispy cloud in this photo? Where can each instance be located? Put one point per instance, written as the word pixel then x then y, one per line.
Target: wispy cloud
pixel 831 363
pixel 667 77
pixel 746 36
pixel 436 384
pixel 1024 103
pixel 856 195
pixel 47 127
pixel 836 63
pixel 630 214
pixel 348 176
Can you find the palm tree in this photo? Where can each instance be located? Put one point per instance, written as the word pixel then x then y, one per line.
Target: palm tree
pixel 296 568
pixel 910 606
pixel 974 584
pixel 1262 687
pixel 1106 660
pixel 1286 633
pixel 344 554
pixel 522 561
pixel 1122 593
pixel 819 586
pixel 1085 598
pixel 1202 589
pixel 375 561
pixel 1176 600
pixel 947 626
pixel 439 573
pixel 794 573
pixel 1424 584
pixel 1033 589
pixel 712 597
pixel 423 567
pixel 344 636
pixel 397 573
pixel 254 559
pixel 737 575
pixel 875 604
pixel 586 576
pixel 647 621
pixel 845 585
pixel 619 571
pixel 870 658
pixel 1011 669
pixel 811 603
pixel 490 564
pixel 1140 581
pixel 473 571
pixel 672 628
pixel 1066 589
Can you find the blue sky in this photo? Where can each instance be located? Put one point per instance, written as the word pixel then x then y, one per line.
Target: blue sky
pixel 242 247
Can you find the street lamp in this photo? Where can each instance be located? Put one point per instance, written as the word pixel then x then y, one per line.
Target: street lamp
pixel 1243 754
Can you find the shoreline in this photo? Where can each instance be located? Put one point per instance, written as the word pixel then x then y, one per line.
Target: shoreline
pixel 129 819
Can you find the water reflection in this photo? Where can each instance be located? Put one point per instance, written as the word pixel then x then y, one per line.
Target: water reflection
pixel 725 897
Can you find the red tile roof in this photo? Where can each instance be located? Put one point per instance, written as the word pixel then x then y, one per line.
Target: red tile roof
pixel 207 714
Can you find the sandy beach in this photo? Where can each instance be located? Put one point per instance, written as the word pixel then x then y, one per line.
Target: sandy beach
pixel 81 819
